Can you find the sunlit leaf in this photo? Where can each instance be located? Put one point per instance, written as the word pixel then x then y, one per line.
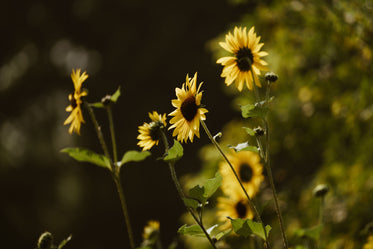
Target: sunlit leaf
pixel 115 96
pixel 191 203
pixel 202 193
pixel 249 131
pixel 134 156
pixel 244 147
pixel 174 153
pixel 86 155
pixel 193 230
pixel 253 110
pixel 246 227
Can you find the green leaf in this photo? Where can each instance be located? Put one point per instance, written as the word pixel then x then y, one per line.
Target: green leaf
pixel 115 96
pixel 212 185
pixel 64 242
pixel 253 110
pixel 193 230
pixel 207 190
pixel 222 234
pixel 85 155
pixel 312 233
pixel 97 105
pixel 244 147
pixel 197 192
pixel 191 203
pixel 134 156
pixel 174 153
pixel 246 227
pixel 249 131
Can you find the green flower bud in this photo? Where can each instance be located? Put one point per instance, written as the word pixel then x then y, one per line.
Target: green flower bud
pixel 320 190
pixel 271 77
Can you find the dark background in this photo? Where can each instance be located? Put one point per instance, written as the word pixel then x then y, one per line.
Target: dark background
pixel 147 48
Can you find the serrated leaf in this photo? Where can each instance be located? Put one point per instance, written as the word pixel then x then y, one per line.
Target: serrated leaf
pixel 253 110
pixel 191 203
pixel 312 233
pixel 212 185
pixel 244 147
pixel 197 192
pixel 86 155
pixel 249 131
pixel 134 156
pixel 64 242
pixel 246 227
pixel 193 230
pixel 174 153
pixel 115 96
pixel 202 193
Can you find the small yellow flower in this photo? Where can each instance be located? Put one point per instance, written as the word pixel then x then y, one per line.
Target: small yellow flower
pixel 234 206
pixel 245 48
pixel 76 116
pixel 188 111
pixel 249 170
pixel 369 244
pixel 150 132
pixel 151 228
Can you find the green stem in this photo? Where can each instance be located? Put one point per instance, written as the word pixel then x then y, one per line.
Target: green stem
pixel 123 202
pixel 112 132
pixel 181 193
pixel 250 201
pixel 114 173
pixel 268 162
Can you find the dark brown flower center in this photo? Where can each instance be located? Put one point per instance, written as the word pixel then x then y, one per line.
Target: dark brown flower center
pixel 244 59
pixel 73 101
pixel 245 172
pixel 155 132
pixel 189 108
pixel 241 209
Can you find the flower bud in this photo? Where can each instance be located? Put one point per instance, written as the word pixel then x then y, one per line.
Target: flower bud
pixel 271 77
pixel 45 241
pixel 106 100
pixel 258 131
pixel 320 190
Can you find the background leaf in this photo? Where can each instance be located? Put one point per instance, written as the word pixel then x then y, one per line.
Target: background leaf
pixel 193 230
pixel 134 156
pixel 86 155
pixel 244 147
pixel 246 227
pixel 253 110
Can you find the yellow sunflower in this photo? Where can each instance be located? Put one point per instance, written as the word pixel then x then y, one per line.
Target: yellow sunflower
pixel 234 205
pixel 150 132
pixel 248 168
pixel 76 116
pixel 245 48
pixel 150 229
pixel 188 111
pixel 369 243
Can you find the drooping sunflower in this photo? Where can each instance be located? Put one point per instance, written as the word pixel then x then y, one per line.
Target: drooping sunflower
pixel 248 168
pixel 245 48
pixel 150 132
pixel 76 116
pixel 234 205
pixel 188 111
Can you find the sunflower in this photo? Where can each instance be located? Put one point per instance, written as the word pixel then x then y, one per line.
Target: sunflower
pixel 150 132
pixel 76 116
pixel 189 111
pixel 234 205
pixel 245 48
pixel 150 229
pixel 248 168
pixel 369 243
